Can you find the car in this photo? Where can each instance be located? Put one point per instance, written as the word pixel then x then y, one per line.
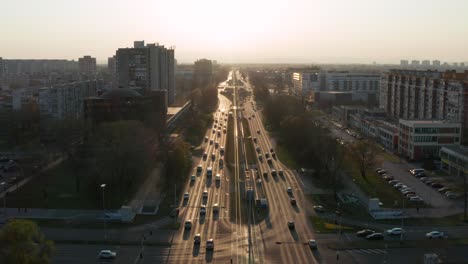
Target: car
pixel 364 233
pixel 388 178
pixel 197 239
pixel 221 161
pixel 211 141
pixel 280 173
pixel 291 225
pixel 453 195
pixel 221 150
pixel 292 200
pixel 192 178
pixel 443 189
pixel 435 234
pixel 319 208
pixel 107 254
pixel 205 194
pixel 395 231
pixel 273 172
pixel 216 144
pixel 213 156
pixel 272 150
pixel 206 139
pixel 255 139
pixel 429 182
pixel 257 149
pixel 188 224
pixel 265 174
pixel 415 171
pixel 312 243
pixel 260 157
pixel 393 182
pixel 199 168
pixel 382 172
pixel 210 244
pixel 215 208
pixel 289 190
pixel 258 131
pixel 267 155
pixel 186 196
pixel 415 199
pixel 205 155
pixel 273 155
pixel 375 236
pixel 407 189
pixel 209 171
pixel 269 161
pixel 378 170
pixel 202 209
pixel 437 185
pixel 397 185
pixel 420 175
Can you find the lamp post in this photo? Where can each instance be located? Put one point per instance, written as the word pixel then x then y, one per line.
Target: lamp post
pixel 103 186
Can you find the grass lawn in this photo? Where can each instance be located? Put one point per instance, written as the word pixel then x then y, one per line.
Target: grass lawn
pixel 349 210
pixel 322 226
pixel 59 184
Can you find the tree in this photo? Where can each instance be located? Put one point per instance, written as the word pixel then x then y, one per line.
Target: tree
pixel 178 162
pixel 364 152
pixel 21 242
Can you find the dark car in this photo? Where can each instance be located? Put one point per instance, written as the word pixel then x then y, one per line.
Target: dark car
pixel 364 233
pixel 293 201
pixel 375 236
pixel 420 175
pixel 437 185
pixel 291 224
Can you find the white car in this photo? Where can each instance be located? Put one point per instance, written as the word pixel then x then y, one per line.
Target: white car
pixel 107 254
pixel 395 231
pixel 435 234
pixel 312 243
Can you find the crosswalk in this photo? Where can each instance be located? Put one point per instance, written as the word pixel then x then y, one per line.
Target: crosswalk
pixel 367 251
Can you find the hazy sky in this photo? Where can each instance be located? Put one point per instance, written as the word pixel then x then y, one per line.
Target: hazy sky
pixel 303 31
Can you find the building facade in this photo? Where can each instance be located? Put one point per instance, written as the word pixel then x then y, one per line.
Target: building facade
pixel 2 67
pixel 454 160
pixel 150 68
pixel 87 65
pixel 419 139
pixel 425 95
pixel 63 101
pixel 305 82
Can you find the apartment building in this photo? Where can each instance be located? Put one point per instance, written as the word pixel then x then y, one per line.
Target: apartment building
pixel 425 95
pixel 150 68
pixel 424 138
pixel 87 65
pixel 66 100
pixel 2 67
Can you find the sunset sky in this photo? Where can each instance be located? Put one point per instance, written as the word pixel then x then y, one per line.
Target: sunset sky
pixel 296 31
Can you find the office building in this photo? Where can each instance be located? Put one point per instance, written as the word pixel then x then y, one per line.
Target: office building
pixel 63 101
pixel 420 139
pixel 305 82
pixel 425 95
pixel 149 68
pixel 87 65
pixel 454 160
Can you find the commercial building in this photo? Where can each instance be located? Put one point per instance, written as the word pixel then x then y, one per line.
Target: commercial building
pixel 63 101
pixel 454 160
pixel 87 65
pixel 419 139
pixel 425 95
pixel 150 68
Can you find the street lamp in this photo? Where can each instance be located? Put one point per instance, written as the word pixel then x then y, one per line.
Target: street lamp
pixel 103 186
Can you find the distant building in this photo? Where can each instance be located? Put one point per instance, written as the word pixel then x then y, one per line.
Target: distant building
pixel 2 67
pixel 425 95
pixel 305 82
pixel 23 96
pixel 404 63
pixel 150 68
pixel 426 63
pixel 415 63
pixel 87 65
pixel 419 139
pixel 112 67
pixel 350 81
pixel 63 101
pixel 454 160
pixel 436 63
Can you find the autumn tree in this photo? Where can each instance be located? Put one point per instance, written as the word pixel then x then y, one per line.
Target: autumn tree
pixel 21 242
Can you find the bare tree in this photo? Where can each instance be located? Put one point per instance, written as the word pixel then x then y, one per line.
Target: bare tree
pixel 364 152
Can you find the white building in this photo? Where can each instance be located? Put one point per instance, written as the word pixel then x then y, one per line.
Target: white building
pixel 66 100
pixel 305 82
pixel 149 67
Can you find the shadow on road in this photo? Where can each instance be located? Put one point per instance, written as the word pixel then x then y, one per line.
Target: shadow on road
pixel 196 250
pixel 209 182
pixel 282 177
pixel 209 256
pixel 294 234
pixel 186 234
pixel 296 208
pixel 268 222
pixel 275 178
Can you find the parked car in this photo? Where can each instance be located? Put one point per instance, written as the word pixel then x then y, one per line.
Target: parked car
pixel 416 199
pixel 395 231
pixel 393 182
pixel 420 175
pixel 319 208
pixel 444 189
pixel 415 171
pixel 388 178
pixel 382 172
pixel 437 185
pixel 364 233
pixel 453 195
pixel 375 236
pixel 435 234
pixel 378 170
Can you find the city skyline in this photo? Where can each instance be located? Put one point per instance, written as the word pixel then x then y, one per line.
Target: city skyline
pixel 245 32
